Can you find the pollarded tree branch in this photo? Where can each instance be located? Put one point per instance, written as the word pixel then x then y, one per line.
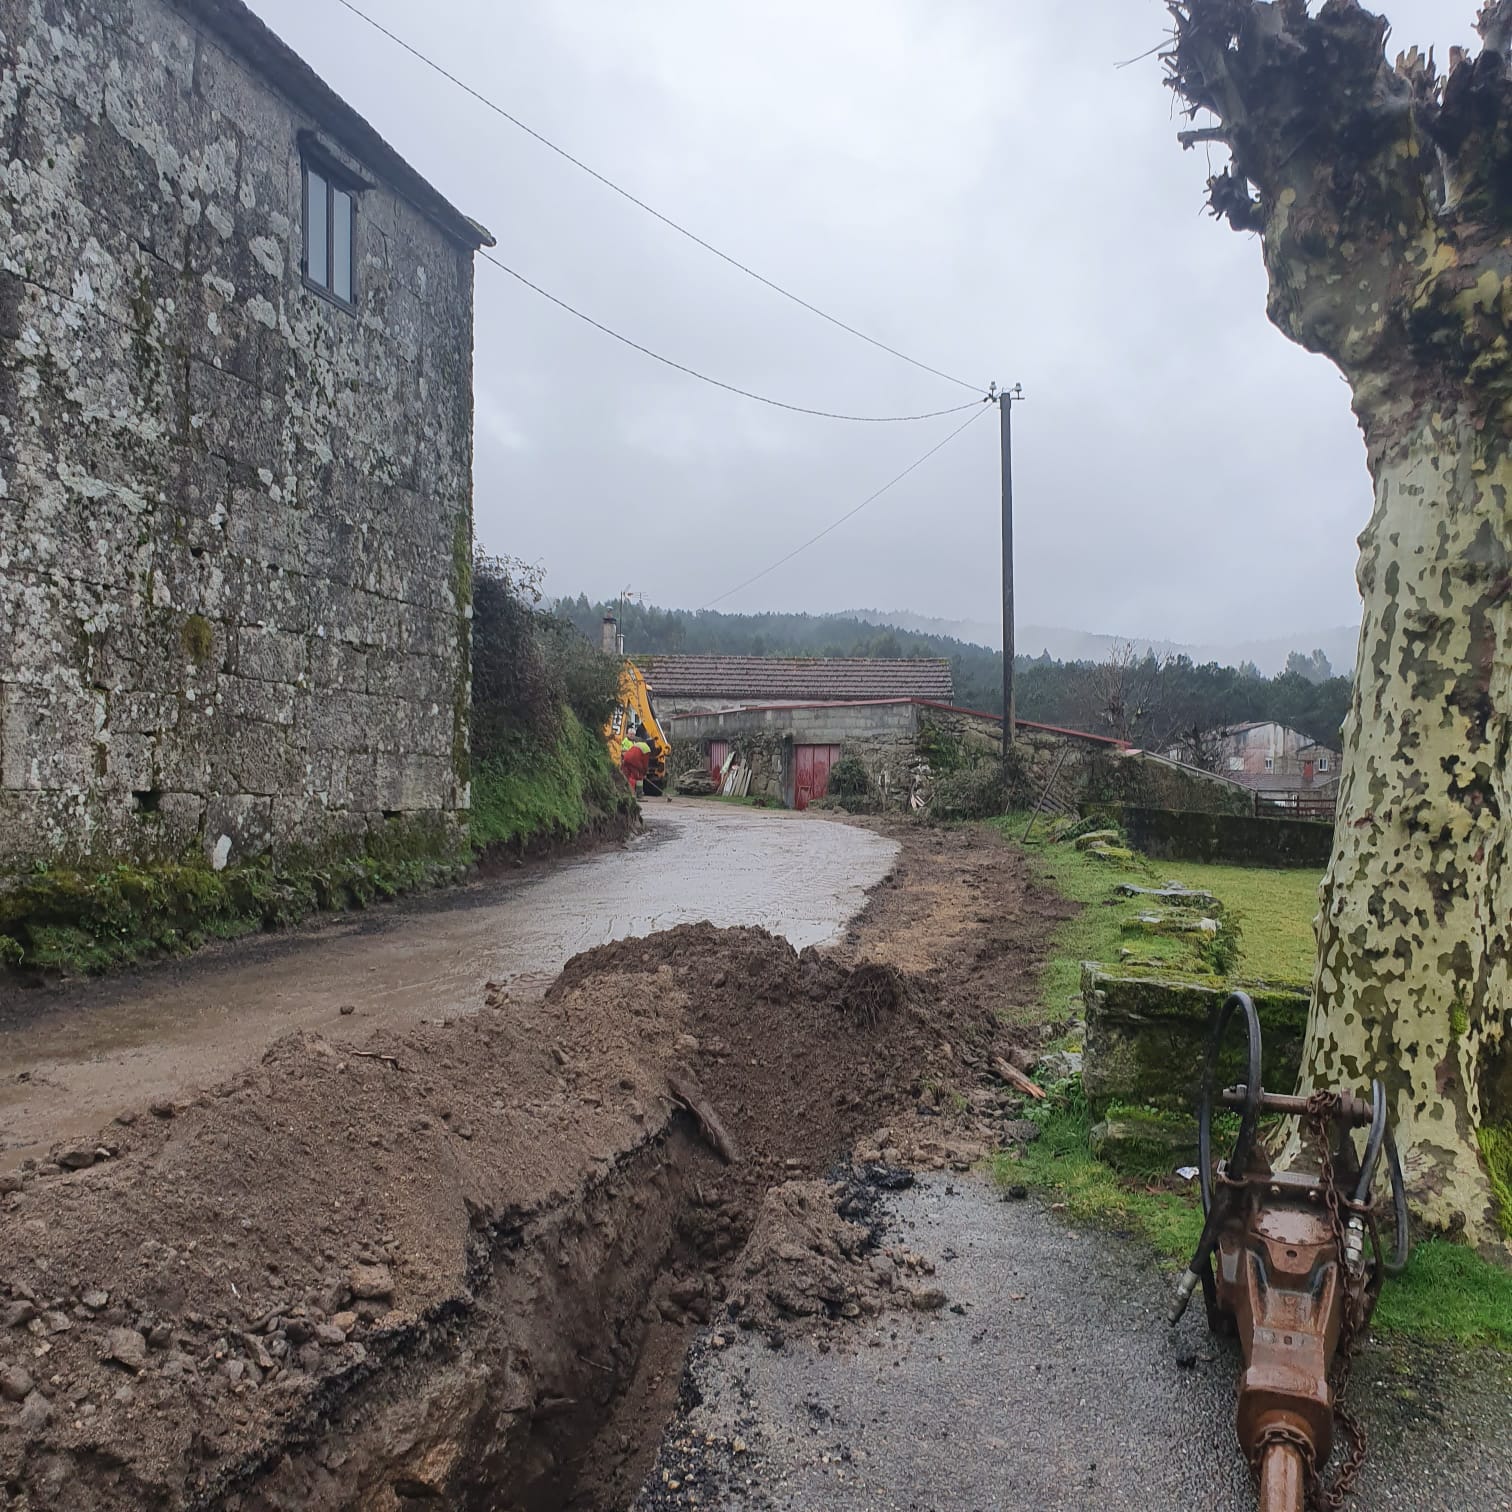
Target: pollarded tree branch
pixel 1203 134
pixel 1310 104
pixel 1359 174
pixel 1299 97
pixel 1495 25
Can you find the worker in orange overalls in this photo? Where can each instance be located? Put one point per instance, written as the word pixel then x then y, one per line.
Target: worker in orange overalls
pixel 635 761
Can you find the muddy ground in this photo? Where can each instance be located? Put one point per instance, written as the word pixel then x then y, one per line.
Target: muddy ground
pixel 458 1265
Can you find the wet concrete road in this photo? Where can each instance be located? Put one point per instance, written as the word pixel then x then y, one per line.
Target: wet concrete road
pixel 71 1059
pixel 1057 1390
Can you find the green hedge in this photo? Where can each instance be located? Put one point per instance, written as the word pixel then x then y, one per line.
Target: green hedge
pixel 533 797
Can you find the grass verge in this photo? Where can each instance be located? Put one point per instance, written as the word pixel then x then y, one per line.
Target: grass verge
pixel 89 919
pixel 1447 1293
pixel 81 920
pixel 537 796
pixel 1274 909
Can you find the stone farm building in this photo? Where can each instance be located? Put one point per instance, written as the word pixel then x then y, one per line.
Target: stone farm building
pixel 236 447
pixel 791 719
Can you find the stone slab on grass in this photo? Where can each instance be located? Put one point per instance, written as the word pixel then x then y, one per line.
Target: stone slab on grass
pixel 1141 1142
pixel 1172 897
pixel 1147 1037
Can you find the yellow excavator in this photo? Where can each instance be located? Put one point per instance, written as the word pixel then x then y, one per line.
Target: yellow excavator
pixel 634 722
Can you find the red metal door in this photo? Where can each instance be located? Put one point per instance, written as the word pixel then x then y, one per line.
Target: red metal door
pixel 719 753
pixel 811 769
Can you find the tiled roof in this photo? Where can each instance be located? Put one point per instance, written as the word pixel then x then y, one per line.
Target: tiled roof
pixel 771 677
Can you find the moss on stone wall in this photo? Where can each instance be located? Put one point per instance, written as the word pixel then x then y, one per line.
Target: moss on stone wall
pixel 84 919
pixel 198 638
pixel 1147 1036
pixel 1137 778
pixel 1232 839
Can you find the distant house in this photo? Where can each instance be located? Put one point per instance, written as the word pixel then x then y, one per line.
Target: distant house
pixel 1260 750
pixel 706 684
pixel 1281 765
pixel 1263 748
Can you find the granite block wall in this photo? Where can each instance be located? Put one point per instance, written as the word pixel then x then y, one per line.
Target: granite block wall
pixel 235 516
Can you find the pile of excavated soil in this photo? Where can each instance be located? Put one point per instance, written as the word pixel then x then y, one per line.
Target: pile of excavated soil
pixel 459 1267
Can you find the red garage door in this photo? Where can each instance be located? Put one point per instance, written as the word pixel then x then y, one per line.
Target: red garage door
pixel 811 769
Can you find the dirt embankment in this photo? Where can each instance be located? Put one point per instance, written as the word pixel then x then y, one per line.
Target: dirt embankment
pixel 459 1267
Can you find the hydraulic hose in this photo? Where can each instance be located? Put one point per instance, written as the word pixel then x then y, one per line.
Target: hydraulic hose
pixel 1252 1090
pixel 1373 1143
pixel 1403 1246
pixel 1248 1123
pixel 1381 1138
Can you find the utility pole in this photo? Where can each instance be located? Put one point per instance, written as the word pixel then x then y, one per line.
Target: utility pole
pixel 1005 400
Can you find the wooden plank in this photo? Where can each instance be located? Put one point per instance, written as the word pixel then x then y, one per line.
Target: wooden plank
pixel 1014 1077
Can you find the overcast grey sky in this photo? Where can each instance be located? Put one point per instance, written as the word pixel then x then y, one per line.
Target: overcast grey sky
pixel 974 182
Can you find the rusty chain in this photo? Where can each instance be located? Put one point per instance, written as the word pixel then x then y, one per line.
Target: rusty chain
pixel 1322 1108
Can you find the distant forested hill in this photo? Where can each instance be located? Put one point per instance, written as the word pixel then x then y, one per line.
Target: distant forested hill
pixel 1148 700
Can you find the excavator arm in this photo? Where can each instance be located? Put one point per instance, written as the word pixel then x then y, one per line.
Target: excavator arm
pixel 634 711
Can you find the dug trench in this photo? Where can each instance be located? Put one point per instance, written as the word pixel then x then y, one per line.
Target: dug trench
pixel 461 1267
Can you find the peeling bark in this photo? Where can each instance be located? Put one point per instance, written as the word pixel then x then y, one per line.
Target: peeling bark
pixel 1382 194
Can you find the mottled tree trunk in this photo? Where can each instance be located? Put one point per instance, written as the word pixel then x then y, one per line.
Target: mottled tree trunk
pixel 1383 196
pixel 1412 978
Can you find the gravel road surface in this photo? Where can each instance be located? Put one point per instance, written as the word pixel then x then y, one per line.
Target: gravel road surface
pixel 1058 1387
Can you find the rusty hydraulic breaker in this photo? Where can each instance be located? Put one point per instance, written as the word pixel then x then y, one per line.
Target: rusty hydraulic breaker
pixel 1292 1263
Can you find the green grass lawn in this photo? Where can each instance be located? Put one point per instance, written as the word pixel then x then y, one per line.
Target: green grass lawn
pixel 1274 908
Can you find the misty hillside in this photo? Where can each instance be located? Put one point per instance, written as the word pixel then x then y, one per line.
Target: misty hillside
pixel 1268 655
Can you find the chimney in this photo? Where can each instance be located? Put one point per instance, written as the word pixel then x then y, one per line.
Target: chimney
pixel 610 642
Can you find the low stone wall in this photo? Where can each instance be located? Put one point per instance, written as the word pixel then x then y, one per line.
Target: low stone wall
pixel 686 756
pixel 1146 781
pixel 765 752
pixel 1170 835
pixel 1068 758
pixel 1147 1038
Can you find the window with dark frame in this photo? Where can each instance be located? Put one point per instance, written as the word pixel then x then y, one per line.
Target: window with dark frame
pixel 330 215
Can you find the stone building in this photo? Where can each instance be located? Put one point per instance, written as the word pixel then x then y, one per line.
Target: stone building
pixel 235 450
pixel 791 748
pixel 905 743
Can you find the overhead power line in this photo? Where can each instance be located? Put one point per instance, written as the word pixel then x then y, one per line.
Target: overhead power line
pixel 666 220
pixel 981 410
pixel 800 409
